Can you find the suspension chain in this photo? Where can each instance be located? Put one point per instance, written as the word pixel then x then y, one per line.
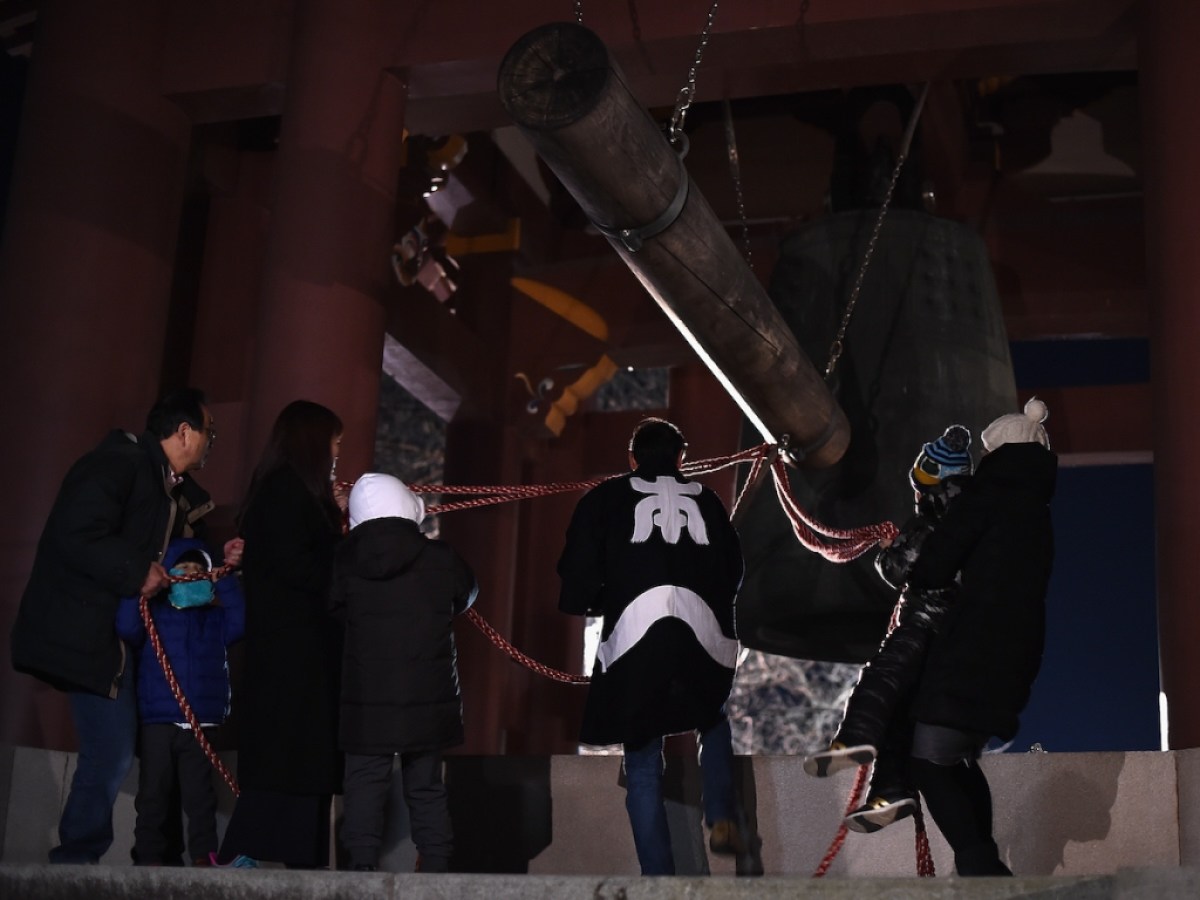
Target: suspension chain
pixel 579 12
pixel 735 170
pixel 835 349
pixel 687 93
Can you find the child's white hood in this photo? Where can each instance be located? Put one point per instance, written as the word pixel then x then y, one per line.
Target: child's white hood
pixel 380 496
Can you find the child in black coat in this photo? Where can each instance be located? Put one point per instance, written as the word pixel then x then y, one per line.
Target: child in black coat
pixel 876 726
pixel 397 592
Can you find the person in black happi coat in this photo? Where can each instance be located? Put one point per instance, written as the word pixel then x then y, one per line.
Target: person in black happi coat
pixel 655 555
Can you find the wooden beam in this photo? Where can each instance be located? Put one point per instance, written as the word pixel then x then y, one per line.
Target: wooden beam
pixel 570 99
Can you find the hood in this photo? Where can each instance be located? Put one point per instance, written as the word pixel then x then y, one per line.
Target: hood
pixel 379 496
pixel 179 546
pixel 1027 467
pixel 381 548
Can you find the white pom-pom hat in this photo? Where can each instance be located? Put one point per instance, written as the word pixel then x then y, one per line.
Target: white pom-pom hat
pixel 1018 428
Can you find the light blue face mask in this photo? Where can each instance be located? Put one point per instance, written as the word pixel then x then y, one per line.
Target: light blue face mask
pixel 186 594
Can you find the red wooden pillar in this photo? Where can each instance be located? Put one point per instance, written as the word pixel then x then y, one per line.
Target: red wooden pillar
pixel 710 421
pixel 222 346
pixel 85 277
pixel 1170 93
pixel 321 321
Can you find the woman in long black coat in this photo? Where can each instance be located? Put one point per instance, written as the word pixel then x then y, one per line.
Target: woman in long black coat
pixel 982 663
pixel 289 765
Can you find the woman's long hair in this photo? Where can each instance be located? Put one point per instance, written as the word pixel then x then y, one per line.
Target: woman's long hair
pixel 300 440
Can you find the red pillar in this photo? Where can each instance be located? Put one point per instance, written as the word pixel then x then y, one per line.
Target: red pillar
pixel 222 348
pixel 1170 94
pixel 85 277
pixel 710 421
pixel 321 320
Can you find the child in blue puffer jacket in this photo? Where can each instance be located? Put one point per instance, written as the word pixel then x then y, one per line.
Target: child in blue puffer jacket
pixel 196 621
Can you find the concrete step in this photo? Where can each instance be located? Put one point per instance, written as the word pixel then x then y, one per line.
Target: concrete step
pixel 1056 814
pixel 30 882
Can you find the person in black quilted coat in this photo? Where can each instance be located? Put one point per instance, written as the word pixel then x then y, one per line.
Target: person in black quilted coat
pixel 876 725
pixel 397 591
pixel 998 539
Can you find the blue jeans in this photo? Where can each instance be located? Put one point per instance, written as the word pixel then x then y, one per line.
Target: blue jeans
pixel 107 732
pixel 644 799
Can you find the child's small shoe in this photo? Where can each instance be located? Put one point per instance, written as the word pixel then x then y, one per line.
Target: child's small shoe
pixel 839 756
pixel 241 861
pixel 878 813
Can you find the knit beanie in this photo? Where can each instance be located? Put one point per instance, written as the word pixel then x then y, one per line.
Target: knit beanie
pixel 1018 428
pixel 942 458
pixel 379 496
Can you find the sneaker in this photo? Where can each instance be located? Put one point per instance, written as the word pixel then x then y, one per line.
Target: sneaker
pixel 725 839
pixel 878 813
pixel 838 757
pixel 241 861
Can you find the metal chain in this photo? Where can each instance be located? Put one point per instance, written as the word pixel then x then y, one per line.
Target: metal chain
pixel 579 11
pixel 838 345
pixel 687 93
pixel 735 170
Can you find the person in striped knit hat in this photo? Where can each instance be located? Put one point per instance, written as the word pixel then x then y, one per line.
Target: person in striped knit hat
pixel 876 726
pixel 997 544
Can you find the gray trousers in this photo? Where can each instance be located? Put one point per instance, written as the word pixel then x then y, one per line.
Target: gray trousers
pixel 367 785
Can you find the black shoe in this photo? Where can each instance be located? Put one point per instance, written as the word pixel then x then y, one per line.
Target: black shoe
pixel 366 867
pixel 981 859
pixel 878 813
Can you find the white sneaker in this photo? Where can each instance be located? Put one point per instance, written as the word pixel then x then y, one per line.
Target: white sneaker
pixel 879 813
pixel 838 757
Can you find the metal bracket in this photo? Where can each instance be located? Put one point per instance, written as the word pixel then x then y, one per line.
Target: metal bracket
pixel 633 238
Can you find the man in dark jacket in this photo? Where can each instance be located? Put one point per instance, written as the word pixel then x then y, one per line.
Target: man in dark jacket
pixel 103 540
pixel 982 663
pixel 655 554
pixel 397 592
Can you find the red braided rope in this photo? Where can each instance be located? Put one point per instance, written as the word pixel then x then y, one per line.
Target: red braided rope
pixel 807 530
pixel 925 867
pixel 810 532
pixel 751 480
pixel 835 846
pixel 496 638
pixel 173 683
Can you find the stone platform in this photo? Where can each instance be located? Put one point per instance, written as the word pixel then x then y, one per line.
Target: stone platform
pixel 123 883
pixel 1079 815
